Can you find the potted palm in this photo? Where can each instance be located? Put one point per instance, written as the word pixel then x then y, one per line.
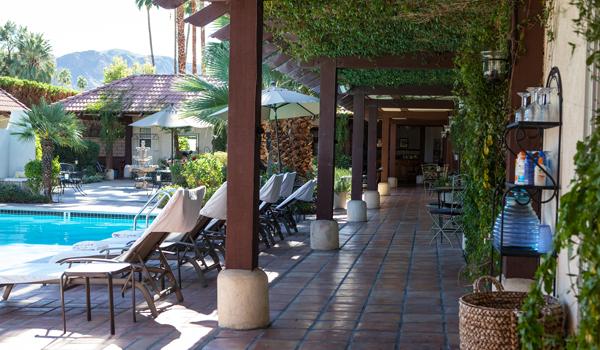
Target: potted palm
pixel 109 110
pixel 341 187
pixel 53 126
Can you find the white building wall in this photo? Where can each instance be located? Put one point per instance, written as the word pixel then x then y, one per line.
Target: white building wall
pixel 577 110
pixel 14 153
pixel 161 141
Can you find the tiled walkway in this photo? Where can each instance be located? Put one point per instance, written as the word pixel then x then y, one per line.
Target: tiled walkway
pixel 387 287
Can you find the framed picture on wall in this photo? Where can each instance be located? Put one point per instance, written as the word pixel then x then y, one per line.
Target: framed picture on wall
pixel 403 143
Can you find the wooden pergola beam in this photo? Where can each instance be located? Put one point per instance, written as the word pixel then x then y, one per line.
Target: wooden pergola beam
pixel 425 60
pixel 358 127
pixel 208 14
pixel 168 4
pixel 414 90
pixel 425 104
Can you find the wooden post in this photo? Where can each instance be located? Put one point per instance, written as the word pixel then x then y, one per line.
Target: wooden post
pixel 385 149
pixel 393 130
pixel 243 133
pixel 326 161
pixel 372 149
pixel 358 127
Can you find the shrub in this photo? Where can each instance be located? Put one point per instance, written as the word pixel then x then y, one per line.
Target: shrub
pixel 88 179
pixel 33 172
pixel 31 92
pixel 342 182
pixel 87 156
pixel 14 194
pixel 204 170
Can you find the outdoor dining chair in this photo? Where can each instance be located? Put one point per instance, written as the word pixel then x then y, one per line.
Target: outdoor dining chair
pixel 447 214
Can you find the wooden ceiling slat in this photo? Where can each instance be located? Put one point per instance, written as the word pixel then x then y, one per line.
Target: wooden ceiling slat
pixel 221 34
pixel 168 4
pixel 268 49
pixel 433 104
pixel 277 60
pixel 288 67
pixel 208 14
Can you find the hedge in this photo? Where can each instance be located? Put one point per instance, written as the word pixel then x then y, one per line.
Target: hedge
pixel 30 92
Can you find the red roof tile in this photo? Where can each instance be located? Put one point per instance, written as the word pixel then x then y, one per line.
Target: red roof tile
pixel 145 93
pixel 9 103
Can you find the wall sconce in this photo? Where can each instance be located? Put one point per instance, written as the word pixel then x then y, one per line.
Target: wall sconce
pixel 494 65
pixel 379 143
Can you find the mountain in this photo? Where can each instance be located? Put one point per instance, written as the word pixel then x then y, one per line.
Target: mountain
pixel 90 64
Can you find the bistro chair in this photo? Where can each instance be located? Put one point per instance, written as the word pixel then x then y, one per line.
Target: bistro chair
pixel 430 176
pixel 447 215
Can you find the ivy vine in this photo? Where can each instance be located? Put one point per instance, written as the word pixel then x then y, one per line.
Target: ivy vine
pixel 578 227
pixel 477 133
pixel 397 77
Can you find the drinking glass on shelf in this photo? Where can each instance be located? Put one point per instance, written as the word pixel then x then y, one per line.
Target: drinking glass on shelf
pixel 536 108
pixel 545 103
pixel 520 113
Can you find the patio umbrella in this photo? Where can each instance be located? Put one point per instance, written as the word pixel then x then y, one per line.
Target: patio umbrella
pixel 170 118
pixel 278 103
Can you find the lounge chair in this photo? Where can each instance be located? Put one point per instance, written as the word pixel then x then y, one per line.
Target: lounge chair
pixel 179 215
pixel 283 213
pixel 269 195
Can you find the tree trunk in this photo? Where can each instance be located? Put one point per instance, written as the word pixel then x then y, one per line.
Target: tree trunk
pixel 194 67
pixel 180 40
pixel 150 35
pixel 202 45
pixel 47 155
pixel 108 150
pixel 176 143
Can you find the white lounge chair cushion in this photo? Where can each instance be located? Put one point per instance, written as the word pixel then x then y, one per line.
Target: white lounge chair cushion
pixel 31 273
pixel 287 184
pixel 304 193
pixel 128 234
pixel 269 192
pixel 216 206
pixel 90 245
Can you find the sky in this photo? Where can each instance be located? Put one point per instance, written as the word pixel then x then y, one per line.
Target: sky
pixel 79 25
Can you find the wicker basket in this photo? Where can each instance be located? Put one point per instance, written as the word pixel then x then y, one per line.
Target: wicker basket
pixel 488 320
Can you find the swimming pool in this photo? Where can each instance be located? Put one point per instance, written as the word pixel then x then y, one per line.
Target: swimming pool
pixel 57 228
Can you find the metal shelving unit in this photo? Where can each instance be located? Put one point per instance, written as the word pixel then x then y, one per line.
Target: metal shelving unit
pixel 523 130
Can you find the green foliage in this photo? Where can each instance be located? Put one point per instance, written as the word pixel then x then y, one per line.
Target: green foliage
pixel 63 77
pixel 477 133
pixel 86 156
pixel 119 69
pixel 342 180
pixel 578 227
pixel 204 170
pixel 32 92
pixel 396 77
pixel 88 179
pixel 14 194
pixel 34 174
pixel 342 135
pixel 108 109
pixel 81 82
pixel 24 54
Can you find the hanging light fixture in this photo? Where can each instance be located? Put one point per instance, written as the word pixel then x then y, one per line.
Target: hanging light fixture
pixel 494 65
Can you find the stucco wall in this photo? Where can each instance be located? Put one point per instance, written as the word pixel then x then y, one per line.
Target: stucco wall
pixel 14 153
pixel 576 112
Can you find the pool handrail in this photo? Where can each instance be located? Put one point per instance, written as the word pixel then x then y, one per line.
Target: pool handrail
pixel 162 194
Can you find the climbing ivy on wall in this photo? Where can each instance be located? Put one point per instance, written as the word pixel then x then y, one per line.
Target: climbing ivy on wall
pixel 396 77
pixel 477 132
pixel 578 226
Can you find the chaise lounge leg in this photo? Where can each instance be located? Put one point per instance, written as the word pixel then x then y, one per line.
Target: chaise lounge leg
pixel 7 289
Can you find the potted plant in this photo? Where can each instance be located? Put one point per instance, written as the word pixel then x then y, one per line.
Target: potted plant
pixel 341 187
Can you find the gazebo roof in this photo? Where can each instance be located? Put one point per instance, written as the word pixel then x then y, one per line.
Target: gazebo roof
pixel 9 103
pixel 144 93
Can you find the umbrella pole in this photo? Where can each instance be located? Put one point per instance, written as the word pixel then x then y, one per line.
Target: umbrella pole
pixel 277 138
pixel 172 142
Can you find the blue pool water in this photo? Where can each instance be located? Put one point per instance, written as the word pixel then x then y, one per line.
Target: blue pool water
pixel 57 230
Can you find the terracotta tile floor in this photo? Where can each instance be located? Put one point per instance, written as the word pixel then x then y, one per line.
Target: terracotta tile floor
pixel 386 288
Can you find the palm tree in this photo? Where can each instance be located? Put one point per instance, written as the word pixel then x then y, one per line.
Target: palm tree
pixel 214 88
pixel 33 60
pixel 53 126
pixel 147 4
pixel 180 29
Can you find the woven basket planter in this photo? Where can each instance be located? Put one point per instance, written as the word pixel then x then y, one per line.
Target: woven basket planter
pixel 488 320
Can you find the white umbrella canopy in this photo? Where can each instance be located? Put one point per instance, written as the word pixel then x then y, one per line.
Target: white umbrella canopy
pixel 278 103
pixel 170 118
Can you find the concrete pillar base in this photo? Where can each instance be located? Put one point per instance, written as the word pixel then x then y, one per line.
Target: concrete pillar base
pixel 393 182
pixel 383 188
pixel 324 235
pixel 357 211
pixel 371 198
pixel 243 299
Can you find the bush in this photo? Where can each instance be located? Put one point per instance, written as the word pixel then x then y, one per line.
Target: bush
pixel 342 182
pixel 87 156
pixel 14 194
pixel 31 92
pixel 33 172
pixel 205 170
pixel 88 179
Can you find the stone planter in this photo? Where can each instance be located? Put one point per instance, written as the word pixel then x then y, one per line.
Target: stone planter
pixel 109 174
pixel 339 200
